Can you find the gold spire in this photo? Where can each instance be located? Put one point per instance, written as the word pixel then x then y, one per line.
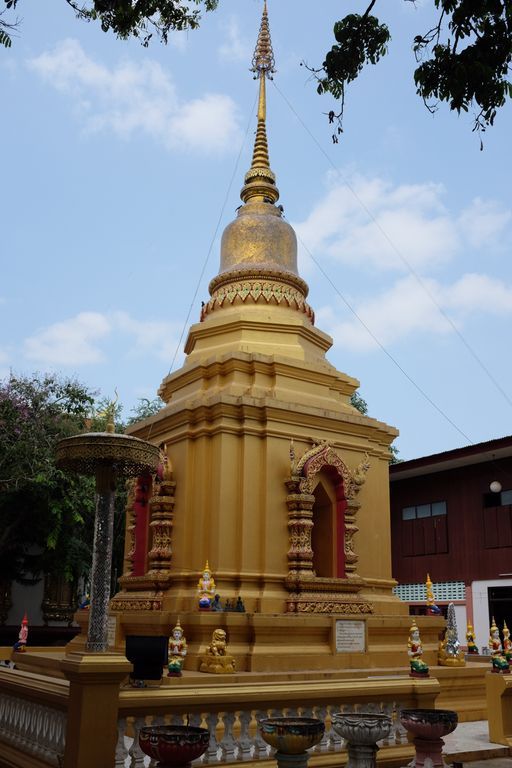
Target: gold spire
pixel 260 181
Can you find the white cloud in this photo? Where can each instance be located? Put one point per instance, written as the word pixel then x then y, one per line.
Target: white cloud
pixel 70 342
pixel 479 293
pixel 154 337
pixel 81 340
pixel 483 221
pixel 137 97
pixel 406 309
pixel 235 47
pixel 373 223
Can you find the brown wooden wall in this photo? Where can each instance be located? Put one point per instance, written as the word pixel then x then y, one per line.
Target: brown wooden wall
pixel 471 543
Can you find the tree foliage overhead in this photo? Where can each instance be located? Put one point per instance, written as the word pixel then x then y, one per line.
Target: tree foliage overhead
pixel 464 60
pixel 130 18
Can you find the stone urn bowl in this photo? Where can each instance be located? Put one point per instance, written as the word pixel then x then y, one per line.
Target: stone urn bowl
pixel 173 745
pixel 362 731
pixel 362 727
pixel 292 735
pixel 428 726
pixel 429 723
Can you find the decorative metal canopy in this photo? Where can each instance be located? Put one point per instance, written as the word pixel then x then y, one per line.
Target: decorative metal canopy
pixel 125 455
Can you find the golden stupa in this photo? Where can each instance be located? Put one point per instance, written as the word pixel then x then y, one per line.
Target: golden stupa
pixel 276 479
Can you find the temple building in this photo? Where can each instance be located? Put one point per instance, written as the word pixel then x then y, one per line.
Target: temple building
pixel 269 473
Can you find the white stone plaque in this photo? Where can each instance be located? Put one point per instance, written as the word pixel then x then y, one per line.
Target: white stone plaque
pixel 350 636
pixel 112 631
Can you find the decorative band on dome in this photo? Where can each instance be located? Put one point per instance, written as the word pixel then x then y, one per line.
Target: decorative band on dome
pixel 264 173
pixel 258 291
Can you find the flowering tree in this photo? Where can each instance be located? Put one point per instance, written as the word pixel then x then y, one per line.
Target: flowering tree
pixel 45 515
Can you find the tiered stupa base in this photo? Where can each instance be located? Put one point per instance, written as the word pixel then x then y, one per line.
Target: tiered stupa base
pixel 280 642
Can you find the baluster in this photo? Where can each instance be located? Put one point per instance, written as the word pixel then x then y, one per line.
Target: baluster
pixel 50 734
pixel 121 750
pixel 228 744
pixel 261 747
pixel 194 719
pixel 212 753
pixel 158 720
pixel 400 731
pixel 135 752
pixel 335 741
pixel 320 713
pixel 244 741
pixel 387 709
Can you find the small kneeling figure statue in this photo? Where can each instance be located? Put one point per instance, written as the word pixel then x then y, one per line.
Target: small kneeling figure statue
pixel 415 652
pixel 177 651
pixel 498 660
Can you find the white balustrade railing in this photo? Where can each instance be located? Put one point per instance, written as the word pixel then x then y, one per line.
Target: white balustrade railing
pixel 234 735
pixel 33 728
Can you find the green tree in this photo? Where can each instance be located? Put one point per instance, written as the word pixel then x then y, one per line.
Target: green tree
pixel 43 511
pixel 144 409
pixel 463 60
pixel 48 515
pixel 128 18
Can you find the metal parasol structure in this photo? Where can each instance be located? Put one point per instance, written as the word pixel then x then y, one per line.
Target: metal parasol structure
pixel 107 456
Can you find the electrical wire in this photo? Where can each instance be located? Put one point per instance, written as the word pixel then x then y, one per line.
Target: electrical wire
pixel 395 249
pixel 219 220
pixel 383 348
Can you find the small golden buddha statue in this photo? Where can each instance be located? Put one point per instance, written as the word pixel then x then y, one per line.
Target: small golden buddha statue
pixel 216 660
pixel 206 589
pixel 415 652
pixel 470 639
pixel 177 651
pixel 498 660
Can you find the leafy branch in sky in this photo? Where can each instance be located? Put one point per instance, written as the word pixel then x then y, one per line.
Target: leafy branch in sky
pixel 464 60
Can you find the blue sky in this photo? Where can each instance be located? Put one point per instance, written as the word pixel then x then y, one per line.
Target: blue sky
pixel 116 166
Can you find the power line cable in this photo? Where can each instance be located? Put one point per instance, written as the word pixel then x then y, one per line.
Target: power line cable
pixel 395 249
pixel 221 214
pixel 383 348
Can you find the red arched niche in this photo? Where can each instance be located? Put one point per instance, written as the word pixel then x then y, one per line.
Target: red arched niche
pixel 327 467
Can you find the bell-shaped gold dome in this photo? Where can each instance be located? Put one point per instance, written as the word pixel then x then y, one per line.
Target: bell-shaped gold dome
pixel 258 259
pixel 258 239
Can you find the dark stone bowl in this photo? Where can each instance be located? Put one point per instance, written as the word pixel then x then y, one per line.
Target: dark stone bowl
pixel 173 745
pixel 429 723
pixel 292 735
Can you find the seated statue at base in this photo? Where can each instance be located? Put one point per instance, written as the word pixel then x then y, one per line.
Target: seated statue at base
pixel 415 652
pixel 216 660
pixel 470 640
pixel 498 660
pixel 177 651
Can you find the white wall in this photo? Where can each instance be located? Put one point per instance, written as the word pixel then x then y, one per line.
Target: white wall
pixel 461 619
pixel 481 608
